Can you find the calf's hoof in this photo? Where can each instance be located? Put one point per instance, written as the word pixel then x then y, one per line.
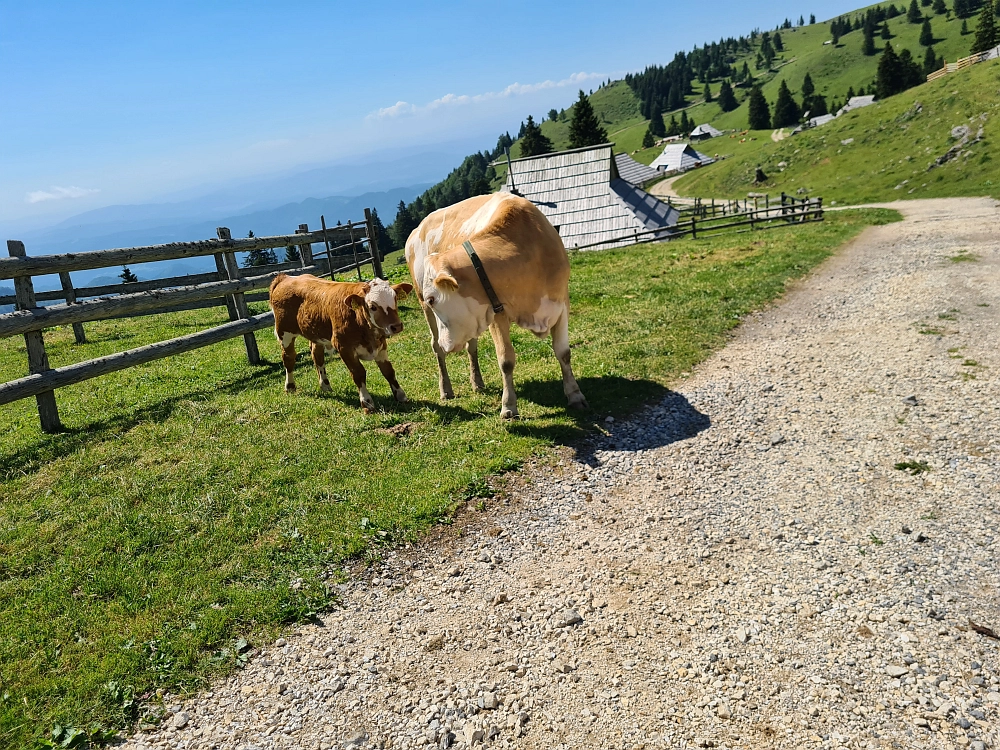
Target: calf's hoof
pixel 290 388
pixel 477 385
pixel 578 402
pixel 368 406
pixel 401 396
pixel 447 395
pixel 506 413
pixel 324 388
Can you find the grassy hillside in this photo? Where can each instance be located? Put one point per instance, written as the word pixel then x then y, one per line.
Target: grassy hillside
pixel 191 503
pixel 894 143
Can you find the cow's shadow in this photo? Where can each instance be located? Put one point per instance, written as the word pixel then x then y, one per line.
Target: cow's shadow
pixel 656 416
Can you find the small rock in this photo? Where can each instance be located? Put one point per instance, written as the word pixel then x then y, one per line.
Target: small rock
pixel 609 420
pixel 490 701
pixel 993 697
pixel 741 635
pixel 435 642
pixel 894 670
pixel 281 642
pixel 566 618
pixel 777 438
pixel 180 720
pixel 724 711
pixel 910 401
pixel 918 536
pixel 847 142
pixel 355 740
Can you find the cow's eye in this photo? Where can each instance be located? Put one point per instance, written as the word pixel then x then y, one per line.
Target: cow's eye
pixel 430 301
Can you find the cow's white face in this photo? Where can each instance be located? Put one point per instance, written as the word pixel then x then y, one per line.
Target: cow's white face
pixel 459 318
pixel 380 301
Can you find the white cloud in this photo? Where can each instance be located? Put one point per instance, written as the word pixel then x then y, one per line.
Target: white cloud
pixel 58 193
pixel 514 89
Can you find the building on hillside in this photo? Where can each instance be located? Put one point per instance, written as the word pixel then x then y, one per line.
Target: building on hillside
pixel 856 102
pixel 704 132
pixel 582 193
pixel 680 157
pixel 634 172
pixel 814 122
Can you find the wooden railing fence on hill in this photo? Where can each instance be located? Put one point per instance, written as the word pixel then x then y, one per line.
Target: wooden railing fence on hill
pixel 964 62
pixel 354 244
pixel 723 219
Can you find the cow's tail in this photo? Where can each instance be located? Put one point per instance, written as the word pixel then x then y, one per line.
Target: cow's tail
pixel 277 280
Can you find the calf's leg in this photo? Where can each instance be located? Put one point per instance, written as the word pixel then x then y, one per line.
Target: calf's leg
pixel 359 375
pixel 319 361
pixel 560 345
pixel 500 330
pixel 444 382
pixel 287 342
pixel 382 360
pixel 475 375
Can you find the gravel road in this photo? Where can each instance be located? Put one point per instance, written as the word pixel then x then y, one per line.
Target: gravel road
pixel 739 566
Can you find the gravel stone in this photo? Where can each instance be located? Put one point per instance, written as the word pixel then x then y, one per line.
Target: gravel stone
pixel 709 573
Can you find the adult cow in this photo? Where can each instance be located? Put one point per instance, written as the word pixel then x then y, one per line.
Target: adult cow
pixel 524 262
pixel 355 319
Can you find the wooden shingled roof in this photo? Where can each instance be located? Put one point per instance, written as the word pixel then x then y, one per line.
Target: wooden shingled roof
pixel 581 192
pixel 635 172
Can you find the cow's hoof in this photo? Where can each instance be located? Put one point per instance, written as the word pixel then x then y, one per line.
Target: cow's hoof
pixel 290 388
pixel 368 406
pixel 401 396
pixel 447 395
pixel 478 386
pixel 578 402
pixel 324 388
pixel 508 414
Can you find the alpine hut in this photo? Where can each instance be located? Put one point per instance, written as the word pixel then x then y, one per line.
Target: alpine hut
pixel 584 196
pixel 704 132
pixel 680 157
pixel 634 172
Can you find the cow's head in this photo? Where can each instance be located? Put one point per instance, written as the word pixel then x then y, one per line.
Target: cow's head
pixel 379 302
pixel 461 314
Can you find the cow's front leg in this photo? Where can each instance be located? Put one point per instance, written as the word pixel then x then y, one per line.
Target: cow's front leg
pixel 287 342
pixel 560 345
pixel 319 361
pixel 500 330
pixel 444 382
pixel 475 375
pixel 382 360
pixel 359 375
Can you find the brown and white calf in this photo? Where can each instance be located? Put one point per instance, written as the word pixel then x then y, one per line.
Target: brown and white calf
pixel 526 263
pixel 355 319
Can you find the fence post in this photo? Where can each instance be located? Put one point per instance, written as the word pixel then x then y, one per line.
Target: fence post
pixel 373 244
pixel 220 266
pixel 694 229
pixel 306 249
pixel 38 360
pixel 239 302
pixel 70 292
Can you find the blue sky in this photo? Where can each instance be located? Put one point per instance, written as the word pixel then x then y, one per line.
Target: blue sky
pixel 107 102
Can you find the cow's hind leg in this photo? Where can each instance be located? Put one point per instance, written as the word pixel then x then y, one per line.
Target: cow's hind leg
pixel 500 330
pixel 444 382
pixel 382 360
pixel 475 374
pixel 319 361
pixel 287 341
pixel 360 376
pixel 560 345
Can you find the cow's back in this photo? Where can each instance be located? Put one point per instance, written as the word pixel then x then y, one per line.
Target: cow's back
pixel 312 307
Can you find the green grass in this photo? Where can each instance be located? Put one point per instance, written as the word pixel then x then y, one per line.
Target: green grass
pixel 191 503
pixel 894 143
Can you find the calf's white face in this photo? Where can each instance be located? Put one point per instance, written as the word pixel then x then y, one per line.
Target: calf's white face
pixel 380 300
pixel 459 319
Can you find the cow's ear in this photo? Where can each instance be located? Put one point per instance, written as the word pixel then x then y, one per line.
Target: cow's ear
pixel 355 302
pixel 402 290
pixel 446 281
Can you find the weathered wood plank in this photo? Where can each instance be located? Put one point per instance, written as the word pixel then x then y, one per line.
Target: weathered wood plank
pixel 70 296
pixel 63 376
pixel 38 360
pixel 242 312
pixel 373 243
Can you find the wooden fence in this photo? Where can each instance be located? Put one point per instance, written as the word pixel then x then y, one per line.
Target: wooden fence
pixel 230 285
pixel 963 63
pixel 789 212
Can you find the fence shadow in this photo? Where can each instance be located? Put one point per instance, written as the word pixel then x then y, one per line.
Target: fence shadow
pixel 666 416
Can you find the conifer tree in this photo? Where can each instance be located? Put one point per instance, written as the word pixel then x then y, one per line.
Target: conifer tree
pixel 553 115
pixel 926 33
pixel 812 18
pixel 648 141
pixel 656 126
pixel 758 114
pixel 727 100
pixel 786 111
pixel 930 61
pixel 868 41
pixel 708 94
pixel 964 31
pixel 686 125
pixel 534 142
pixel 889 79
pixel 778 44
pixel 986 31
pixel 913 15
pixel 886 34
pixel 939 7
pixel 584 129
pixel 673 128
pixel 850 93
pixel 127 276
pixel 292 254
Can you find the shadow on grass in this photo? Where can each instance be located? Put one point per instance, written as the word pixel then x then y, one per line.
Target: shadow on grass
pixel 671 417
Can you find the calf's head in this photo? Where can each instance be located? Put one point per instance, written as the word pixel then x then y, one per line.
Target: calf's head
pixel 379 303
pixel 461 310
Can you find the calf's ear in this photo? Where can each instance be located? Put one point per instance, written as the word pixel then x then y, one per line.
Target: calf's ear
pixel 402 290
pixel 355 302
pixel 445 280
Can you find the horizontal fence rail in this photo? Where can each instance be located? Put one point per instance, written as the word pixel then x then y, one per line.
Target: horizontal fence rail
pixel 230 285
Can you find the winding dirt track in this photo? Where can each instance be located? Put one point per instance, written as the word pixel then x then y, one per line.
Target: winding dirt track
pixel 740 566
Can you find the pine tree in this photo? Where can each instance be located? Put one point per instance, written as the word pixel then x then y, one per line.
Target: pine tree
pixel 964 31
pixel 986 31
pixel 886 34
pixel 708 94
pixel 656 126
pixel 889 79
pixel 673 128
pixel 930 61
pixel 758 114
pixel 926 34
pixel 584 129
pixel 962 8
pixel 127 276
pixel 534 142
pixel 648 141
pixel 686 125
pixel 812 18
pixel 786 111
pixel 778 45
pixel 939 7
pixel 912 73
pixel 913 15
pixel 802 21
pixel 868 42
pixel 817 105
pixel 292 254
pixel 553 115
pixel 727 100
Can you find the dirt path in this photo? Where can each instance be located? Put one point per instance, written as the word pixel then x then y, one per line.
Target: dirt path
pixel 665 188
pixel 741 566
